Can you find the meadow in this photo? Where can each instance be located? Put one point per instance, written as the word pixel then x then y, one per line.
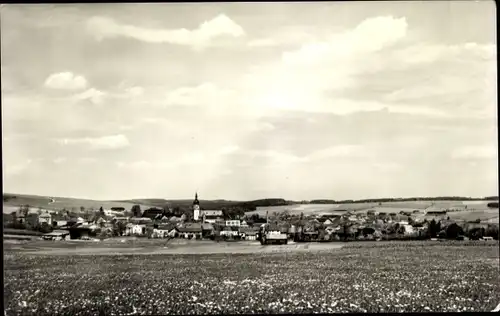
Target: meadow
pixel 360 277
pixel 464 210
pixel 59 203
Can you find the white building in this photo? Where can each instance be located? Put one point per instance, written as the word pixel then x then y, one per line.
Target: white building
pixel 235 222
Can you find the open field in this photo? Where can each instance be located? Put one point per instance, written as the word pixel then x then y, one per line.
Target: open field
pixel 362 277
pixel 143 246
pixel 58 203
pixel 479 207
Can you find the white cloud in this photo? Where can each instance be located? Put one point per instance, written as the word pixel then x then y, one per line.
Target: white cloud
pixel 475 152
pixel 139 165
pixel 203 94
pixel 92 95
pixel 66 81
pixel 221 25
pixel 369 36
pixel 339 151
pixel 105 142
pixel 135 91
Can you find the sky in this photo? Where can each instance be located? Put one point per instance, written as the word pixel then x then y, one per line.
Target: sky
pixel 337 100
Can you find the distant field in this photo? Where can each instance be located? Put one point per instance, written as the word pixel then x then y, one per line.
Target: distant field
pixel 474 208
pixel 59 203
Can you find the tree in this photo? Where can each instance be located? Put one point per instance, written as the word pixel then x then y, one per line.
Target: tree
pixel 119 228
pixel 101 211
pixel 136 210
pixel 492 231
pixel 434 228
pixel 45 228
pixel 82 209
pixel 453 231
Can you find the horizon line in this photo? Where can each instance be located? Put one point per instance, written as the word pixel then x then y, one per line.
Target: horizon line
pixel 247 200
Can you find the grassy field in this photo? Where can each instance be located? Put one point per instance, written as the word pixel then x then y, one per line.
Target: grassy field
pixel 475 209
pixel 58 203
pixel 361 277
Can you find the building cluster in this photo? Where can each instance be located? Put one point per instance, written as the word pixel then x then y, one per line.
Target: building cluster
pixel 212 224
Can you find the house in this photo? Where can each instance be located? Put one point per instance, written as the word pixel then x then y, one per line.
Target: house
pixel 328 222
pixel 230 231
pixel 248 233
pixel 138 230
pixel 235 223
pixel 141 220
pixel 162 231
pixel 45 218
pixel 59 223
pixel 190 231
pixel 207 229
pixel 128 229
pixel 408 229
pixel 244 224
pixel 211 216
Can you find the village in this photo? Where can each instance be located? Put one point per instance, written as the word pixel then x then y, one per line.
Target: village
pixel 219 225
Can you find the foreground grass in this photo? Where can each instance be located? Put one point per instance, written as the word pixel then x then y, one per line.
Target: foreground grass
pixel 392 277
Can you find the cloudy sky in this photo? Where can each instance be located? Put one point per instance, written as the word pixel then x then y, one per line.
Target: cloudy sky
pixel 243 101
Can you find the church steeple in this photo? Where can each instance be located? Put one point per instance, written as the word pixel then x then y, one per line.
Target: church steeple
pixel 196 202
pixel 196 208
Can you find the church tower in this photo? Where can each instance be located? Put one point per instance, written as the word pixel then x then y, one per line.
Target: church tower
pixel 196 208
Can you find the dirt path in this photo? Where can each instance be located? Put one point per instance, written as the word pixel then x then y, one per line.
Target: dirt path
pixel 188 248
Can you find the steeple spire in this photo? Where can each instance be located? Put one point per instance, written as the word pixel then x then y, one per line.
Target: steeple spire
pixel 196 202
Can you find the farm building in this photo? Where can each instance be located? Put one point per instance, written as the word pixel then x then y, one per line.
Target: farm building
pixel 212 216
pixel 56 235
pixel 190 231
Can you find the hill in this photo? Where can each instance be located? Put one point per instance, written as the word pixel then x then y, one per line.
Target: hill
pixel 211 204
pixel 11 202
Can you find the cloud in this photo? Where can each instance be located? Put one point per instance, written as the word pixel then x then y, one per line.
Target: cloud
pixel 91 95
pixel 475 152
pixel 203 94
pixel 66 81
pixel 376 67
pixel 339 151
pixel 105 142
pixel 138 165
pixel 221 25
pixel 135 91
pixel 369 36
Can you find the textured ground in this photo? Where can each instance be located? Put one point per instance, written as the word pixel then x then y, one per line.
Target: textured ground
pixel 372 277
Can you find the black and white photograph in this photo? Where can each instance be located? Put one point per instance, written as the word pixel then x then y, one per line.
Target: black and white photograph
pixel 211 158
